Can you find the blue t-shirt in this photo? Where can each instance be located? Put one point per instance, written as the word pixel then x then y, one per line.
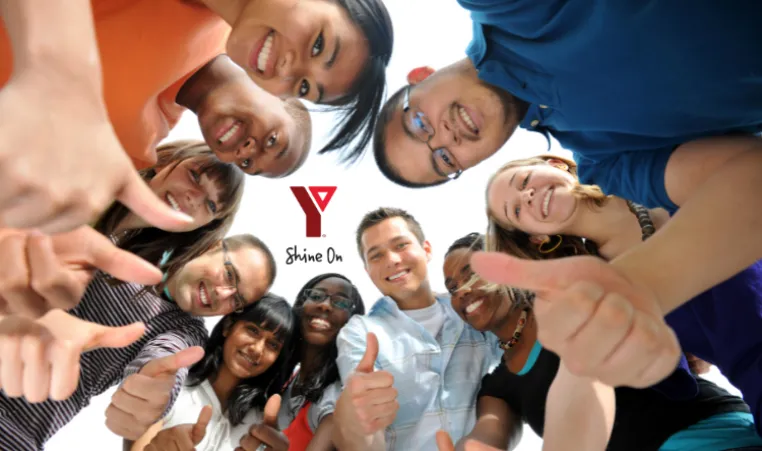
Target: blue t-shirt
pixel 622 83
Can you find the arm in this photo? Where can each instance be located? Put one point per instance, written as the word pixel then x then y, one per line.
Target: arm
pixel 579 413
pixel 715 234
pixel 54 38
pixel 496 424
pixel 352 344
pixel 323 438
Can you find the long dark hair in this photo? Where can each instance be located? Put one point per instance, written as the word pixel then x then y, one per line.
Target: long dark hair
pixel 150 243
pixel 328 372
pixel 360 107
pixel 272 313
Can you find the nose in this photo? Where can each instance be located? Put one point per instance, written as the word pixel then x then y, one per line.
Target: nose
pixel 393 258
pixel 289 68
pixel 447 134
pixel 194 197
pixel 325 305
pixel 247 149
pixel 257 348
pixel 527 196
pixel 224 292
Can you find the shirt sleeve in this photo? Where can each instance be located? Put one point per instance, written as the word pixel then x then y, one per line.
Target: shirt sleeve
pixel 638 176
pixel 351 342
pixel 168 343
pixel 325 405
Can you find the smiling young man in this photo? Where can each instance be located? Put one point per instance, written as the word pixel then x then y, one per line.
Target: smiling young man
pixel 233 274
pixel 432 359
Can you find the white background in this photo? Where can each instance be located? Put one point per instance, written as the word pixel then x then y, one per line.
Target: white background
pixel 432 32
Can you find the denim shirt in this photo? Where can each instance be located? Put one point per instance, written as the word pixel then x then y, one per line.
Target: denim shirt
pixel 437 378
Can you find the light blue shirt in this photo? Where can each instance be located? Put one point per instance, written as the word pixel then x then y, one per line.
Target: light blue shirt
pixel 437 378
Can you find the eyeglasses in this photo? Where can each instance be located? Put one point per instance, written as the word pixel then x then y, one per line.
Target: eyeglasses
pixel 231 274
pixel 442 160
pixel 319 296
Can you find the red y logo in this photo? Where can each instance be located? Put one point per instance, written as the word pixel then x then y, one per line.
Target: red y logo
pixel 311 212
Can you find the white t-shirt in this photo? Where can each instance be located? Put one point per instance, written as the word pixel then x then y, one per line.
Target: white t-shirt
pixel 220 433
pixel 432 318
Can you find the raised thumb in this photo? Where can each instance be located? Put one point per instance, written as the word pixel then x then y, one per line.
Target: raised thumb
pixel 367 364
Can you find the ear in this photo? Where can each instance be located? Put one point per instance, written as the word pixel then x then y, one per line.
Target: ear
pixel 539 239
pixel 419 74
pixel 559 164
pixel 427 248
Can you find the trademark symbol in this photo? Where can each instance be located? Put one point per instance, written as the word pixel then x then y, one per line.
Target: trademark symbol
pixel 324 235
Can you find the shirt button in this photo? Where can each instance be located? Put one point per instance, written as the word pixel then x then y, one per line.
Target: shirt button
pixel 543 106
pixel 534 123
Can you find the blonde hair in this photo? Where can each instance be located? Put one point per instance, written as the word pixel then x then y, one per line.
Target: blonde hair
pixel 509 240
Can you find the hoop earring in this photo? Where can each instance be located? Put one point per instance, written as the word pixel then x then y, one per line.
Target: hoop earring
pixel 553 248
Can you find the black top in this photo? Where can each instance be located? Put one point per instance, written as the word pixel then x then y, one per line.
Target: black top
pixel 644 419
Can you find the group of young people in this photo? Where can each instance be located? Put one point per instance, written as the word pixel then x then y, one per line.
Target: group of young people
pixel 604 277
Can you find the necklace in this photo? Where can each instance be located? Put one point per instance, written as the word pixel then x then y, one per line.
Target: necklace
pixel 644 219
pixel 516 333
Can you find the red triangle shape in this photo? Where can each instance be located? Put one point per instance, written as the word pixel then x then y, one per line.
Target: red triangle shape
pixel 328 190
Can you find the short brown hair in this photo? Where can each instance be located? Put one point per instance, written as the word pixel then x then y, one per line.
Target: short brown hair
pixel 380 215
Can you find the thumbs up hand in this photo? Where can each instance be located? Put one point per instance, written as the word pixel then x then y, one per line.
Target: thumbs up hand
pixel 368 403
pixel 39 359
pixel 144 396
pixel 183 437
pixel 267 433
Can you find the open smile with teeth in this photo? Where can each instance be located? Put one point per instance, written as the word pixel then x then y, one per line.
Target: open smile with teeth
pixel 264 55
pixel 398 275
pixel 230 133
pixel 473 306
pixel 203 295
pixel 468 120
pixel 546 202
pixel 172 201
pixel 320 324
pixel 248 359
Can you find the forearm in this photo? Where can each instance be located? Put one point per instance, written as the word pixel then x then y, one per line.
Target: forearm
pixel 56 37
pixel 356 442
pixel 579 413
pixel 323 438
pixel 713 236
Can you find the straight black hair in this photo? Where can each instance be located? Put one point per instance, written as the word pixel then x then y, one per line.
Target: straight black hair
pixel 271 313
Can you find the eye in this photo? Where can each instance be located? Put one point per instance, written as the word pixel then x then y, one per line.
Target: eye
pixel 228 274
pixel 526 180
pixel 516 211
pixel 374 257
pixel 212 206
pixel 304 88
pixel 272 140
pixel 274 345
pixel 246 163
pixel 317 47
pixel 446 158
pixel 253 330
pixel 402 246
pixel 195 176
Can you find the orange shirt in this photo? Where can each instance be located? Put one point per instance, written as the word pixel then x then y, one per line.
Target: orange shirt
pixel 148 49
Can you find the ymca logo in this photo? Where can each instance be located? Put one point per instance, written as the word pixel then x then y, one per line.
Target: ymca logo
pixel 313 206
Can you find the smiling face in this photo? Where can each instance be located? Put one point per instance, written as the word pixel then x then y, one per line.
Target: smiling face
pixel 451 109
pixel 186 189
pixel 246 126
pixel 299 48
pixel 250 349
pixel 481 309
pixel 326 310
pixel 206 286
pixel 395 259
pixel 536 199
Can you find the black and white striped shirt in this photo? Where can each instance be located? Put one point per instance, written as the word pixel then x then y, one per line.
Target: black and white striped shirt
pixel 25 426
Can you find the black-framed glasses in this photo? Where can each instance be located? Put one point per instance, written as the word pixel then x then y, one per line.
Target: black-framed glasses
pixel 231 275
pixel 443 161
pixel 319 296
